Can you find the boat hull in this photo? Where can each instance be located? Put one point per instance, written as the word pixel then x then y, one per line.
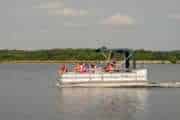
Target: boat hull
pixel 135 77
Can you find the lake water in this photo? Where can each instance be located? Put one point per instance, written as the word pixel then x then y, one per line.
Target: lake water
pixel 28 92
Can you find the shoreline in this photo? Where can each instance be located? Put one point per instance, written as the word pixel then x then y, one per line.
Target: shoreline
pixel 80 61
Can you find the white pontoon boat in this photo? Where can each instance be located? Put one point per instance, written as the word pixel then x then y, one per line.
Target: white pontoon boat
pixel 123 75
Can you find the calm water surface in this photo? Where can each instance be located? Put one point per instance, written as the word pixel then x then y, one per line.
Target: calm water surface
pixel 28 92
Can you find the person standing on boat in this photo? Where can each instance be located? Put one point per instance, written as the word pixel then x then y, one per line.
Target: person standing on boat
pixel 86 67
pixel 109 68
pixel 81 68
pixel 92 68
pixel 62 69
pixel 77 68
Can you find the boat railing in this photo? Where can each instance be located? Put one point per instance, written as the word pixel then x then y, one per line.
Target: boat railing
pixel 100 75
pixel 101 69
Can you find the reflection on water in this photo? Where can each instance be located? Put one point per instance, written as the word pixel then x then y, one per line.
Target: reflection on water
pixel 27 92
pixel 101 103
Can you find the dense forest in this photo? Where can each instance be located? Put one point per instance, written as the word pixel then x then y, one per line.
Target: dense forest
pixel 83 54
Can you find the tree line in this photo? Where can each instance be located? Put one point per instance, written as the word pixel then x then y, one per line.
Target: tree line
pixel 83 54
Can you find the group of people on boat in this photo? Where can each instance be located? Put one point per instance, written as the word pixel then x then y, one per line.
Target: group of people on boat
pixel 88 68
pixel 84 67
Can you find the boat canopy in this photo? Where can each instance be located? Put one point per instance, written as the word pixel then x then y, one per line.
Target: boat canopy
pixel 127 53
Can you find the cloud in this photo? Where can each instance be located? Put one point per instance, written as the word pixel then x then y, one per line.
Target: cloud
pixel 68 12
pixel 174 16
pixel 118 20
pixel 52 5
pixel 59 8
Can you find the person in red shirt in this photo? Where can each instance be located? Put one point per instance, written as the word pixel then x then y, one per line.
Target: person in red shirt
pixel 77 68
pixel 109 68
pixel 62 69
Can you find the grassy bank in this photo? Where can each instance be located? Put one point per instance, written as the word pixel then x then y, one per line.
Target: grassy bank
pixel 79 61
pixel 83 55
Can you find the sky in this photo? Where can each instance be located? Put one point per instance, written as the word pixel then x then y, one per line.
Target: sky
pixel 46 24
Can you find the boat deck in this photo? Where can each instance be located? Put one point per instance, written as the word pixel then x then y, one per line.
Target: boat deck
pixel 140 84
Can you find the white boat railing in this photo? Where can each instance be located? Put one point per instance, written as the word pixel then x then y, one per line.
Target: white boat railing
pixel 103 76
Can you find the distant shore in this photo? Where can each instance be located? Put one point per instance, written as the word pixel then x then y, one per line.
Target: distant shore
pixel 80 61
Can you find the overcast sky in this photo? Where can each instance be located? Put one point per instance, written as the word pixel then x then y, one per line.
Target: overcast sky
pixel 137 24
